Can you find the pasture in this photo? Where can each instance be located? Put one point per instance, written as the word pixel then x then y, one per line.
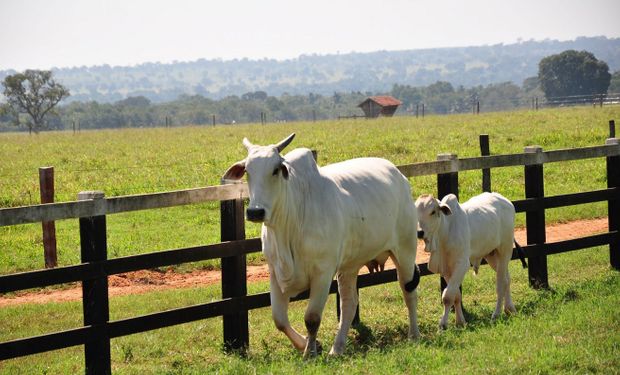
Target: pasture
pixel 572 327
pixel 132 161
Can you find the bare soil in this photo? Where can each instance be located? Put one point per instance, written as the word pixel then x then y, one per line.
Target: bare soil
pixel 147 281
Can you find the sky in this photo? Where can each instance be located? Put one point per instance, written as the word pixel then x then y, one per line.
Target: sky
pixel 41 34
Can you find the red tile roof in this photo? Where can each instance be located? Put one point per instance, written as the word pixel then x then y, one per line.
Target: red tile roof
pixel 385 100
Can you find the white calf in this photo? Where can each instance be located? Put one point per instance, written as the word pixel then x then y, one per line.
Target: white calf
pixel 459 235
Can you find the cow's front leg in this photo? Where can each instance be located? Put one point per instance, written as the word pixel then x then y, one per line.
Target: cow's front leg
pixel 279 312
pixel 319 291
pixel 348 304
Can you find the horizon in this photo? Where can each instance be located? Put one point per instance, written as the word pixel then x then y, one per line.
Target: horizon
pixel 122 34
pixel 313 54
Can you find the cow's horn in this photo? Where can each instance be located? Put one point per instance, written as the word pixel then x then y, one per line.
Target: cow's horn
pixel 285 142
pixel 248 145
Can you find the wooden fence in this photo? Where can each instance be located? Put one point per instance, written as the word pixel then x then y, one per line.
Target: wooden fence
pixel 91 209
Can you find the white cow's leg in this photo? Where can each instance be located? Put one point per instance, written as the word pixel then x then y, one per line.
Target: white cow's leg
pixel 500 287
pixel 279 312
pixel 509 306
pixel 452 293
pixel 319 290
pixel 408 279
pixel 458 309
pixel 348 305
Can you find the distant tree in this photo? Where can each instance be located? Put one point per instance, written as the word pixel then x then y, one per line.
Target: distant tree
pixel 573 73
pixel 614 86
pixel 530 83
pixel 34 93
pixel 135 101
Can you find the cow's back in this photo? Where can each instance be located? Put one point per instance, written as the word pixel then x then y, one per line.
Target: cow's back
pixel 376 204
pixel 491 222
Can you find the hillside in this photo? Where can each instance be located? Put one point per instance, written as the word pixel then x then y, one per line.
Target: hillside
pixel 325 74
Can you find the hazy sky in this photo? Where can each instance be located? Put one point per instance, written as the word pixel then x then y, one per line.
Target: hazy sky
pixel 62 33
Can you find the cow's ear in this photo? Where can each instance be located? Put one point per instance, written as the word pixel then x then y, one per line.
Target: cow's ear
pixel 236 171
pixel 445 209
pixel 284 170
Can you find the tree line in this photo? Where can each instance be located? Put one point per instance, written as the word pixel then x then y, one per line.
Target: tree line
pixel 567 73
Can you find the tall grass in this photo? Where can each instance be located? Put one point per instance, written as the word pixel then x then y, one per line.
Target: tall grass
pixel 133 161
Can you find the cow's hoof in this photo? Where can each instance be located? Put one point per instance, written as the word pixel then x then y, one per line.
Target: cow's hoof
pixel 312 351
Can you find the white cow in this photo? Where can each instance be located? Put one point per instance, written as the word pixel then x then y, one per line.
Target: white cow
pixel 321 222
pixel 459 235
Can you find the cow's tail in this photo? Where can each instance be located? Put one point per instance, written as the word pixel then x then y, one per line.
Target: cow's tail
pixel 521 254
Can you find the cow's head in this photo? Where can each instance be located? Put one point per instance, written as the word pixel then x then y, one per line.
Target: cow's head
pixel 430 211
pixel 267 173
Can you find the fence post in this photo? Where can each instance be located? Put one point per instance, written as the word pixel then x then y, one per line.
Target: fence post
pixel 95 302
pixel 234 276
pixel 612 129
pixel 535 221
pixel 613 206
pixel 46 183
pixel 447 183
pixel 486 172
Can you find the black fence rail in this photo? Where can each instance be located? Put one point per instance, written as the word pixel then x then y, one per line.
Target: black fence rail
pixel 91 209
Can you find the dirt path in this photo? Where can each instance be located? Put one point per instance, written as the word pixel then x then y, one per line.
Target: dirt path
pixel 148 281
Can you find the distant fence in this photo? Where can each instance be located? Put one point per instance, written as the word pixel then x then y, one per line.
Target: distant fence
pixel 574 100
pixel 92 208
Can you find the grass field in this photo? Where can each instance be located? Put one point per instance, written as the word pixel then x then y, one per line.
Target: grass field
pixel 572 328
pixel 134 161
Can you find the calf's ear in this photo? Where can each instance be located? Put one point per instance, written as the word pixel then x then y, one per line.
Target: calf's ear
pixel 445 209
pixel 235 172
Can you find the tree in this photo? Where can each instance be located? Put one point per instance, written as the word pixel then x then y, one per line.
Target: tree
pixel 34 93
pixel 614 86
pixel 573 73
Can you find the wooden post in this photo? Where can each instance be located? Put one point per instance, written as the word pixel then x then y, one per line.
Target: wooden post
pixel 478 107
pixel 612 129
pixel 447 183
pixel 73 126
pixel 46 183
pixel 486 172
pixel 95 302
pixel 213 120
pixel 535 222
pixel 417 108
pixel 422 110
pixel 234 276
pixel 613 206
pixel 536 104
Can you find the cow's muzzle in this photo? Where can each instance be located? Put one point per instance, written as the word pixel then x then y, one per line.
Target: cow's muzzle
pixel 256 215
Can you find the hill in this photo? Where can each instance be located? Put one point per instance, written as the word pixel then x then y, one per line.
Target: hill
pixel 325 74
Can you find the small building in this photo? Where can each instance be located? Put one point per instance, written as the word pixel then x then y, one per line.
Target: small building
pixel 376 106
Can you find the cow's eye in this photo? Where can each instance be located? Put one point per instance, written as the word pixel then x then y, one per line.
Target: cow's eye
pixel 275 171
pixel 433 213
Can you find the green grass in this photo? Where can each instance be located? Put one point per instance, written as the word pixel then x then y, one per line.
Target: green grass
pixel 572 328
pixel 133 161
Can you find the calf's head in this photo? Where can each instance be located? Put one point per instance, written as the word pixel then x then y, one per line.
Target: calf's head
pixel 430 211
pixel 267 173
